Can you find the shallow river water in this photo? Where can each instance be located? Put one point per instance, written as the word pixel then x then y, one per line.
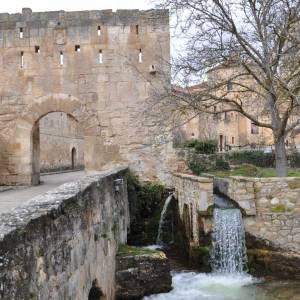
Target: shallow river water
pixel 201 286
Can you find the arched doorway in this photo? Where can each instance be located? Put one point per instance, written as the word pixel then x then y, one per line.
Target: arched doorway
pixel 52 137
pixel 25 167
pixel 73 158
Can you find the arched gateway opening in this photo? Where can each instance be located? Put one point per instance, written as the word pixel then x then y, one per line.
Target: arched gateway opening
pixel 28 136
pixel 57 145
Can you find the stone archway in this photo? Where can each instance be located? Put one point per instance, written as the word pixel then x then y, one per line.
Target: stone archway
pixel 95 150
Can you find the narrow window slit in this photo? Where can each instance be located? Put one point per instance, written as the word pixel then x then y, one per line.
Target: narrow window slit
pixel 140 56
pixel 37 49
pixel 21 33
pixel 99 30
pixel 61 58
pixel 100 57
pixel 22 59
pixel 137 29
pixel 77 48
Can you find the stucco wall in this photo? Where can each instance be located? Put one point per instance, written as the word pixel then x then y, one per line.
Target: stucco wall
pixel 195 196
pixel 54 246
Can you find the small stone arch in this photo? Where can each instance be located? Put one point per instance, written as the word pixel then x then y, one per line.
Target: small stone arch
pixel 26 169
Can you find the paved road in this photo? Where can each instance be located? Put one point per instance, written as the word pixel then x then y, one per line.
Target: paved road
pixel 12 198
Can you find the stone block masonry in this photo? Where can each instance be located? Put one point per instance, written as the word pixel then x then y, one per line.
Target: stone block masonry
pixel 195 197
pixel 55 245
pixel 271 207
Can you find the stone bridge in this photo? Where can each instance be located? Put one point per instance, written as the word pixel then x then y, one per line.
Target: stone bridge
pixel 96 66
pixel 54 246
pixel 270 207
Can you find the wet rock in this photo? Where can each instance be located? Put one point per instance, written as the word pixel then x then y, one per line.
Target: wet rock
pixel 277 264
pixel 141 272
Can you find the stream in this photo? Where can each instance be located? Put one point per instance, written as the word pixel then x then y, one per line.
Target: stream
pixel 229 279
pixel 201 286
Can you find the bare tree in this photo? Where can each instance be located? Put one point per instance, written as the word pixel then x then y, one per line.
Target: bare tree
pixel 256 44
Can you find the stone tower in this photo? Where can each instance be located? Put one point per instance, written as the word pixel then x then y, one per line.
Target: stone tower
pixel 96 66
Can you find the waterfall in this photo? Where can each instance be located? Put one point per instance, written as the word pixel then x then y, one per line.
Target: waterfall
pixel 162 219
pixel 228 255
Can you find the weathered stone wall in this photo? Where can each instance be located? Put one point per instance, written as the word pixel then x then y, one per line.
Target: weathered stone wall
pixel 55 245
pixel 274 204
pixel 60 134
pixel 107 97
pixel 195 197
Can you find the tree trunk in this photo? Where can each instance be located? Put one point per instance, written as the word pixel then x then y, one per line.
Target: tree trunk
pixel 281 158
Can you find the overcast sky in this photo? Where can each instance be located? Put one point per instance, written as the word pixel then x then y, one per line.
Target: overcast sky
pixel 14 6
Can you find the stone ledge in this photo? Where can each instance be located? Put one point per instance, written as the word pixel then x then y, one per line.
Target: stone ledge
pixel 46 203
pixel 122 16
pixel 194 178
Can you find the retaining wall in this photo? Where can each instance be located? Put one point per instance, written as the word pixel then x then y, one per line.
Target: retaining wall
pixel 56 244
pixel 273 203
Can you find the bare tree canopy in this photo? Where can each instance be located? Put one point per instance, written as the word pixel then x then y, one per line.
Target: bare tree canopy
pixel 257 43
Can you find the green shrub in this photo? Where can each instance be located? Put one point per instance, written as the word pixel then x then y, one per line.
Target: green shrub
pixel 222 165
pixel 203 147
pixel 257 158
pixel 197 168
pixel 145 201
pixel 294 160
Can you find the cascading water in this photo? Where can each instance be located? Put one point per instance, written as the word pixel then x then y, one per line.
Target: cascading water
pixel 229 280
pixel 228 254
pixel 162 219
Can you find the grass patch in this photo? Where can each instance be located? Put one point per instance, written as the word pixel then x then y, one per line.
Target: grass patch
pixel 253 171
pixel 132 250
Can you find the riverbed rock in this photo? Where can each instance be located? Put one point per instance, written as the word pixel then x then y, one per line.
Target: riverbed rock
pixel 141 272
pixel 278 264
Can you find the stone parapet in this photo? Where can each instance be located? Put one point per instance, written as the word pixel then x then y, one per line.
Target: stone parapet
pixel 54 246
pixel 107 17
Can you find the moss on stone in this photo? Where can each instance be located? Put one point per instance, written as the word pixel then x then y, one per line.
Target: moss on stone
pixel 280 208
pixel 200 258
pixel 295 184
pixel 140 251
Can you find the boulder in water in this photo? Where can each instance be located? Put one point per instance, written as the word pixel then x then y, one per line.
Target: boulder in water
pixel 141 272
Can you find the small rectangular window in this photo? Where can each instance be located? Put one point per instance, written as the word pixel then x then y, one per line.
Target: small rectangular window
pixel 99 30
pixel 21 33
pixel 137 29
pixel 37 49
pixel 77 48
pixel 22 59
pixel 100 57
pixel 140 56
pixel 61 61
pixel 232 140
pixel 229 86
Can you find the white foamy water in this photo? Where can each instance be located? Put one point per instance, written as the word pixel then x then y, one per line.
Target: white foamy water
pixel 153 247
pixel 228 255
pixel 162 219
pixel 201 286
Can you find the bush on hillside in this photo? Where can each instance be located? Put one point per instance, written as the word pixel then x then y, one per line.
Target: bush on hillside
pixel 222 165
